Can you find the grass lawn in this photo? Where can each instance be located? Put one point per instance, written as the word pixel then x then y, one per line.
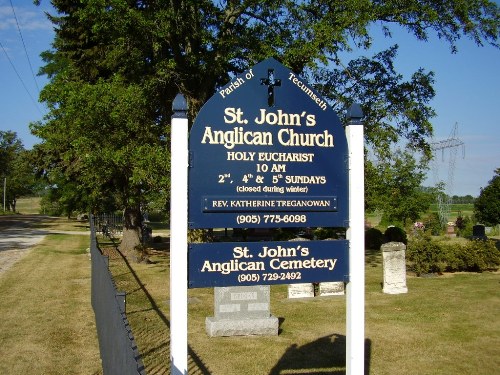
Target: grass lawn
pixel 444 325
pixel 47 323
pixel 28 205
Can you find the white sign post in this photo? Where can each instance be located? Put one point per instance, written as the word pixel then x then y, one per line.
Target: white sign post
pixel 355 290
pixel 178 237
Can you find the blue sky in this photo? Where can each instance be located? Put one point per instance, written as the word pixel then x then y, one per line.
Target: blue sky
pixel 467 90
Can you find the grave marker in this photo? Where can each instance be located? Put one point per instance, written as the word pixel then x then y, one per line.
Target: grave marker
pixel 302 290
pixel 242 311
pixel 394 261
pixel 336 288
pixel 479 232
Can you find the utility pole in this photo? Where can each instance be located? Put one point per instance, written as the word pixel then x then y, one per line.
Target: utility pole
pixel 452 143
pixel 4 191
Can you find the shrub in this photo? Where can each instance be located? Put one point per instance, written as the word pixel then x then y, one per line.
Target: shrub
pixel 424 254
pixel 158 216
pixel 51 208
pixel 464 225
pixel 373 239
pixel 324 233
pixel 479 255
pixel 386 221
pixel 452 254
pixel 395 234
pixel 285 234
pixel 433 224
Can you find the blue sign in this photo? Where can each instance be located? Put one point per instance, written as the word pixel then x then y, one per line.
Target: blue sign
pixel 254 263
pixel 267 151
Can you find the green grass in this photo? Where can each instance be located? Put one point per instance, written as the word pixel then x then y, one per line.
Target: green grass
pixel 464 209
pixel 456 209
pixel 444 325
pixel 47 324
pixel 28 206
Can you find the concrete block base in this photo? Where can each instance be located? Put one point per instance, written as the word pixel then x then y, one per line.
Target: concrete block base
pixel 243 327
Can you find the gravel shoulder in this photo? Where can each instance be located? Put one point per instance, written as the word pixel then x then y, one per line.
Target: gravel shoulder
pixel 19 234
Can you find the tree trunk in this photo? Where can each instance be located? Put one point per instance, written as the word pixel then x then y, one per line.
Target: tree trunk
pixel 130 245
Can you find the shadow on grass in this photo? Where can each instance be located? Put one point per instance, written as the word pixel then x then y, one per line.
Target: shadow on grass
pixel 195 363
pixel 325 356
pixel 373 258
pixel 313 358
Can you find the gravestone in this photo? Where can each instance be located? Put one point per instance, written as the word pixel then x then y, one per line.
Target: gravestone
pixel 450 231
pixel 479 232
pixel 394 261
pixel 242 311
pixel 302 290
pixel 336 288
pixel 305 290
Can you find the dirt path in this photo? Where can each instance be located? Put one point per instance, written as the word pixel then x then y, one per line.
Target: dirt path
pixel 18 235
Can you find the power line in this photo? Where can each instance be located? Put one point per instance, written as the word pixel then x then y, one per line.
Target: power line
pixel 24 46
pixel 18 76
pixel 452 143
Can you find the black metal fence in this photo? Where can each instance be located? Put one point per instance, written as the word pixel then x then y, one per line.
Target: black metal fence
pixel 108 224
pixel 119 353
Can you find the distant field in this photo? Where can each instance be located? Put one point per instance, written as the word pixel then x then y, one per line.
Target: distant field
pixel 466 209
pixel 28 206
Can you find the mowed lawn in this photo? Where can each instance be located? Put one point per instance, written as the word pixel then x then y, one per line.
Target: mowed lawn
pixel 46 320
pixel 447 324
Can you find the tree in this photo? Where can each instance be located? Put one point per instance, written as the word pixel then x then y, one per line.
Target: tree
pixel 116 66
pixel 487 205
pixel 16 168
pixel 396 187
pixel 110 151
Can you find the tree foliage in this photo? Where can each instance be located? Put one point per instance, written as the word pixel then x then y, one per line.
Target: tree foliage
pixel 116 66
pixel 15 169
pixel 395 187
pixel 487 205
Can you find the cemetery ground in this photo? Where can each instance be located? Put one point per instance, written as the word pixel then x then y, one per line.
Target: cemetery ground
pixel 443 325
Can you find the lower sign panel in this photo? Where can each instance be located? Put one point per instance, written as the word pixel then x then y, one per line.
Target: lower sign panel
pixel 265 263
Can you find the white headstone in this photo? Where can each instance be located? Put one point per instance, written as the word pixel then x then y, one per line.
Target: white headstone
pixel 394 261
pixel 301 290
pixel 336 288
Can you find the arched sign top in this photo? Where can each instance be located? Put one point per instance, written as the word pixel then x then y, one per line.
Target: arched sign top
pixel 267 151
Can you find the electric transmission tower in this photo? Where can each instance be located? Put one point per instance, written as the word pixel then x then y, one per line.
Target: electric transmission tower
pixel 452 143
